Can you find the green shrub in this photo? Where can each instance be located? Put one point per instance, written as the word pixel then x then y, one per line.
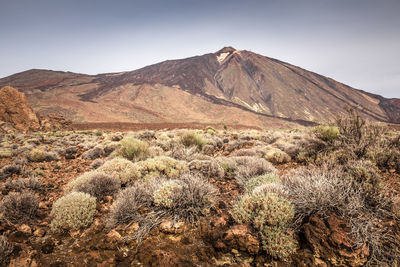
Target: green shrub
pixel 278 242
pixel 73 211
pixel 19 207
pixel 270 214
pixel 193 139
pixel 260 180
pixel 326 133
pixel 161 165
pixel 164 195
pixel 123 169
pixel 132 148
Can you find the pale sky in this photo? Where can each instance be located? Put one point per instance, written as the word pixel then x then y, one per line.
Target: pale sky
pixel 356 42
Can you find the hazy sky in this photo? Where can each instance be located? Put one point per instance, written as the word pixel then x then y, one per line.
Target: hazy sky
pixel 356 42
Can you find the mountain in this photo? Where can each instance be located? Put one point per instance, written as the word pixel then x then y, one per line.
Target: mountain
pixel 230 86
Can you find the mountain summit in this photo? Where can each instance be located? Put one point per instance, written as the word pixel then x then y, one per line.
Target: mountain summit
pixel 229 86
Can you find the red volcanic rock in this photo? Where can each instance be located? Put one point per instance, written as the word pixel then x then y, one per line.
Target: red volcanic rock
pixel 15 110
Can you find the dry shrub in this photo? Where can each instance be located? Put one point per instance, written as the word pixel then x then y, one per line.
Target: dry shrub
pixel 93 153
pixel 332 190
pixel 20 185
pixel 96 164
pixel 99 185
pixel 73 211
pixel 19 207
pixel 5 251
pixel 39 155
pixel 123 169
pixel 149 202
pixel 248 167
pixel 131 202
pixel 277 156
pixel 208 168
pixel 254 182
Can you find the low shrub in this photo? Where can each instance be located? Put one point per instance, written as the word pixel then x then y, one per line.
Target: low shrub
pixel 149 202
pixel 96 164
pixel 192 138
pixel 248 167
pixel 20 185
pixel 123 169
pixel 326 133
pixel 277 156
pixel 39 155
pixel 73 211
pixel 130 203
pixel 164 195
pixel 271 215
pixel 98 185
pixel 161 165
pixel 208 168
pixel 254 182
pixel 132 148
pixel 5 251
pixel 93 153
pixel 6 153
pixel 325 190
pixel 19 207
pixel 9 170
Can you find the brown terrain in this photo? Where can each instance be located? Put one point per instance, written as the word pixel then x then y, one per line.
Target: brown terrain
pixel 226 87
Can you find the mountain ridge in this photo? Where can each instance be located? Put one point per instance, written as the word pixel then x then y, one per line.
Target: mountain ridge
pixel 228 78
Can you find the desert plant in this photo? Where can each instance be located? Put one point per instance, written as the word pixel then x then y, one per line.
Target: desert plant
pixel 93 153
pixel 73 211
pixel 326 133
pixel 192 138
pixel 123 169
pixel 271 215
pixel 325 190
pixel 39 155
pixel 277 156
pixel 132 148
pixel 96 164
pixel 20 185
pixel 131 201
pixel 254 182
pixel 98 185
pixel 5 251
pixel 164 195
pixel 278 242
pixel 248 167
pixel 208 168
pixel 161 165
pixel 19 207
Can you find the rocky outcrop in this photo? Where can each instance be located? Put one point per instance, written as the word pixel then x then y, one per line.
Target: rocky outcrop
pixel 16 114
pixel 53 122
pixel 328 243
pixel 15 111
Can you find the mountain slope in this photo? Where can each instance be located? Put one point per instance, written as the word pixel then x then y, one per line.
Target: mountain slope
pixel 228 86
